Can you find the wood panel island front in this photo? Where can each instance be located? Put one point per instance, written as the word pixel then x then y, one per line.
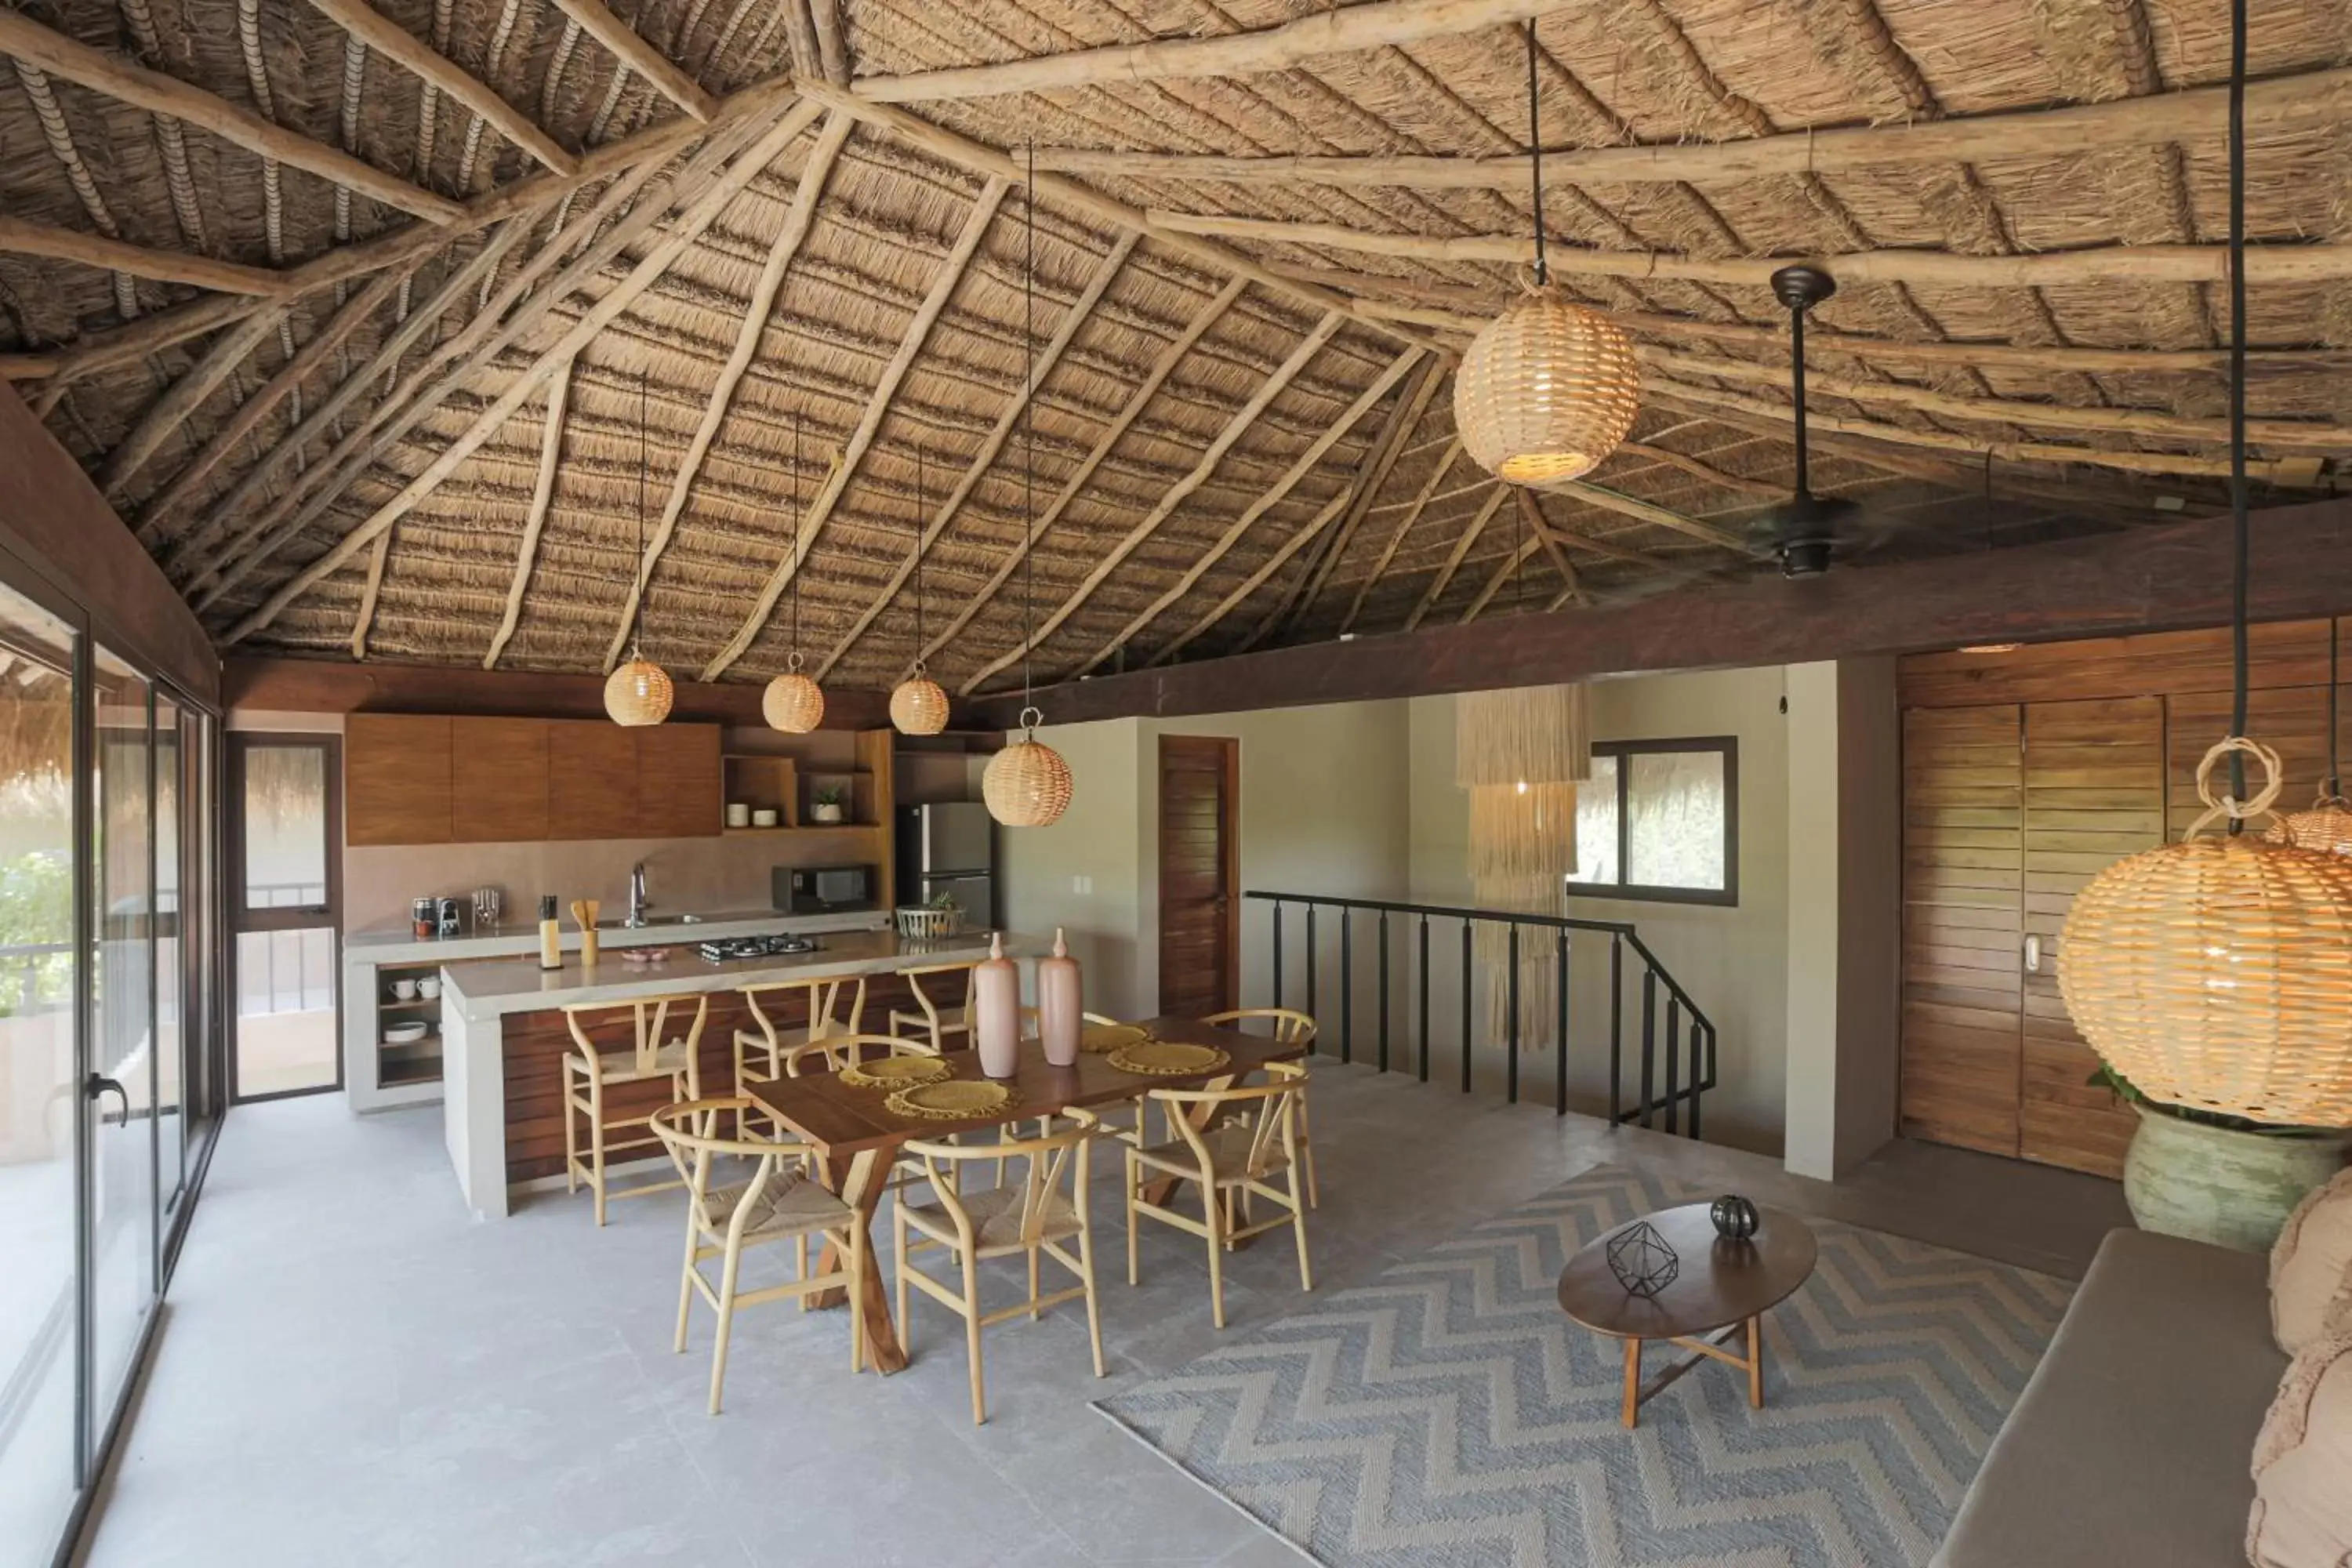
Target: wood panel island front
pixel 503 1035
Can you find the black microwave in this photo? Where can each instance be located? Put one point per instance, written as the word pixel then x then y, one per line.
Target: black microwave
pixel 824 889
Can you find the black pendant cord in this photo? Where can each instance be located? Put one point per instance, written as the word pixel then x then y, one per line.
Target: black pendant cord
pixel 2241 550
pixel 1029 432
pixel 1535 157
pixel 919 559
pixel 2335 773
pixel 1797 390
pixel 795 660
pixel 637 611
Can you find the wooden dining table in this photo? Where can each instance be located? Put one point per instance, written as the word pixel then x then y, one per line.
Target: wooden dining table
pixel 857 1136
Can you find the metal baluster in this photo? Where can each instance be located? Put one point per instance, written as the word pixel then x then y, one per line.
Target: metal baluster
pixel 1559 1041
pixel 1424 998
pixel 1384 990
pixel 1346 986
pixel 1465 1006
pixel 1511 1039
pixel 1696 1029
pixel 1310 961
pixel 1674 1062
pixel 1278 952
pixel 1616 1024
pixel 1649 1040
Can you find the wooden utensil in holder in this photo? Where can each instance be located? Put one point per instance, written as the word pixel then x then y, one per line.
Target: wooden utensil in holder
pixel 585 911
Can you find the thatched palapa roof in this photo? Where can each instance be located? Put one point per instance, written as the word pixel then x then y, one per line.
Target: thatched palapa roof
pixel 348 307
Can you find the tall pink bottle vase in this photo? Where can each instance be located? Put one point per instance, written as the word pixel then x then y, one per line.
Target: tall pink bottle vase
pixel 1061 1016
pixel 996 1010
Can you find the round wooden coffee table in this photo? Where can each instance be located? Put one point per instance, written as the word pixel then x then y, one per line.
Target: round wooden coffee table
pixel 1720 1294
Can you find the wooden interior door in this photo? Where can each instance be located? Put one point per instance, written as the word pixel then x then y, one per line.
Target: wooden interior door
pixel 2095 791
pixel 1963 877
pixel 1200 898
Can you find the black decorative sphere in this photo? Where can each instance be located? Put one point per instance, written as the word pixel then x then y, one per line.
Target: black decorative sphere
pixel 1735 1218
pixel 1640 1258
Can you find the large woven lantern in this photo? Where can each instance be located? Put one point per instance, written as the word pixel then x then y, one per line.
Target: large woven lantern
pixel 2326 826
pixel 917 705
pixel 1027 784
pixel 1546 391
pixel 637 693
pixel 2217 973
pixel 793 702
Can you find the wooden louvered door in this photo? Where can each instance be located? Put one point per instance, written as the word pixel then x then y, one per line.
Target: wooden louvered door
pixel 1200 846
pixel 2094 791
pixel 1963 878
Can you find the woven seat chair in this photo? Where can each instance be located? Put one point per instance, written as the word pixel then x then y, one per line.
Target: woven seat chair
pixel 590 1070
pixel 1250 1139
pixel 1290 1027
pixel 760 1050
pixel 778 1201
pixel 1032 1219
pixel 935 1021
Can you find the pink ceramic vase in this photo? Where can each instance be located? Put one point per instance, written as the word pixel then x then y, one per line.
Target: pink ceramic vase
pixel 1061 1016
pixel 996 1010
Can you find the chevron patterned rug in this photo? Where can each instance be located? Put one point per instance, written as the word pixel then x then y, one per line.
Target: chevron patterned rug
pixel 1448 1415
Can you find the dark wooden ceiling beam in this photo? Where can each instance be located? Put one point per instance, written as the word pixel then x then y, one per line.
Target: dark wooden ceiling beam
pixel 2158 579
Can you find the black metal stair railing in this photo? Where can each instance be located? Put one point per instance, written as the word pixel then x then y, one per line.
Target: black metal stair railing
pixel 1672 1053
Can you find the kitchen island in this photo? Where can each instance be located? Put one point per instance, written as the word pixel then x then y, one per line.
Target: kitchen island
pixel 503 1035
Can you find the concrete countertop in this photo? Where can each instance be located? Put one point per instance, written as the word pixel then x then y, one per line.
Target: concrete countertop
pixel 480 992
pixel 398 944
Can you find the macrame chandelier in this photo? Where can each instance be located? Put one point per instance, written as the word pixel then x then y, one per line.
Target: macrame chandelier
pixel 1548 388
pixel 1520 755
pixel 793 702
pixel 1027 785
pixel 2216 972
pixel 2328 826
pixel 638 693
pixel 918 706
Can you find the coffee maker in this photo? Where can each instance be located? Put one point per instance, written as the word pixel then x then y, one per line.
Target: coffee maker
pixel 451 921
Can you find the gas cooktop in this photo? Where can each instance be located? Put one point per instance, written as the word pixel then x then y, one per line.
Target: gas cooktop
pixel 719 949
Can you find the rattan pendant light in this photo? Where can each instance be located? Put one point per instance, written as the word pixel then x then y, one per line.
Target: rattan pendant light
pixel 1548 388
pixel 917 705
pixel 1027 785
pixel 793 702
pixel 2216 972
pixel 2328 826
pixel 638 693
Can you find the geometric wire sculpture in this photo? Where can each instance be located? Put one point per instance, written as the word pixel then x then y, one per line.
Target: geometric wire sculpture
pixel 1642 1261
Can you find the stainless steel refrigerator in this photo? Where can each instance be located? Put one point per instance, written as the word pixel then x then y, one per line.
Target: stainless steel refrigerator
pixel 949 848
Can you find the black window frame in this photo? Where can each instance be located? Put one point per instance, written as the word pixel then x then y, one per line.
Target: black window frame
pixel 1728 896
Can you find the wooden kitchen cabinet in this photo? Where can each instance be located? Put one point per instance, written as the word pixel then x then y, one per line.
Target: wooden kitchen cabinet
pixel 592 780
pixel 398 782
pixel 500 771
pixel 677 780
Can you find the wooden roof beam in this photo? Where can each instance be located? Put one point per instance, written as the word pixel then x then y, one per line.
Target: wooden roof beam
pixel 1511 562
pixel 2282 105
pixel 764 289
pixel 397 44
pixel 1455 557
pixel 642 57
pixel 154 91
pixel 366 617
pixel 1300 467
pixel 1650 512
pixel 1148 388
pixel 918 332
pixel 1080 311
pixel 708 202
pixel 1706 473
pixel 164 416
pixel 1240 594
pixel 1211 456
pixel 1404 525
pixel 1377 465
pixel 543 496
pixel 22 236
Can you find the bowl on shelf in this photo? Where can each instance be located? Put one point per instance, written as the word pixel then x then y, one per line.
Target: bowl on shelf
pixel 404 1034
pixel 765 817
pixel 644 954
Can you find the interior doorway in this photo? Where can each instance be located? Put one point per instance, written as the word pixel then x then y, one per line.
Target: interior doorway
pixel 285 913
pixel 1199 873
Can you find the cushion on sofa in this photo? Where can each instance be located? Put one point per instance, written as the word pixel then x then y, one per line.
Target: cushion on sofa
pixel 2131 1441
pixel 2311 1266
pixel 2302 1516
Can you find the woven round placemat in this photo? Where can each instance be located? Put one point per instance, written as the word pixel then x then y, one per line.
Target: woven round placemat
pixel 896 1072
pixel 1098 1038
pixel 958 1100
pixel 1168 1058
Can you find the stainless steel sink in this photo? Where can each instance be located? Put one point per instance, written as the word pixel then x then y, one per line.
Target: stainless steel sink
pixel 650 920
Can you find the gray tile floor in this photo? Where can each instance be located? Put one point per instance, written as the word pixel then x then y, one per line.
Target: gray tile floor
pixel 351 1373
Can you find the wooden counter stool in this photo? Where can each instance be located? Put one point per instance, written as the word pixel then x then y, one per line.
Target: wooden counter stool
pixel 761 1051
pixel 590 1070
pixel 1250 1138
pixel 937 1022
pixel 779 1201
pixel 1291 1027
pixel 1034 1218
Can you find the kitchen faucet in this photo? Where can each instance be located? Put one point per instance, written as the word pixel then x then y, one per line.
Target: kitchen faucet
pixel 637 904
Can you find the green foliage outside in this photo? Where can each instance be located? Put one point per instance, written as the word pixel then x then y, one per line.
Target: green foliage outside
pixel 35 910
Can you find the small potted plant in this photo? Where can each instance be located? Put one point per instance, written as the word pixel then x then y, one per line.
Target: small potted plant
pixel 2215 1177
pixel 828 803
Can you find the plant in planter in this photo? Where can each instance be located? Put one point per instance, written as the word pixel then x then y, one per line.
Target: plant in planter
pixel 828 803
pixel 2215 1177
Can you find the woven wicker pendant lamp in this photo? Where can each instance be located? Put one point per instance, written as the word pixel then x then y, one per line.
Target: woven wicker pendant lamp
pixel 1027 785
pixel 1548 388
pixel 917 705
pixel 2216 974
pixel 793 702
pixel 638 693
pixel 2328 826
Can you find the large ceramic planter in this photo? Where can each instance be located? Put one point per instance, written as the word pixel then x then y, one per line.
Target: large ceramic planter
pixel 2209 1184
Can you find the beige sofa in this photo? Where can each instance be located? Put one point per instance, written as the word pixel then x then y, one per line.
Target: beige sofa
pixel 2134 1440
